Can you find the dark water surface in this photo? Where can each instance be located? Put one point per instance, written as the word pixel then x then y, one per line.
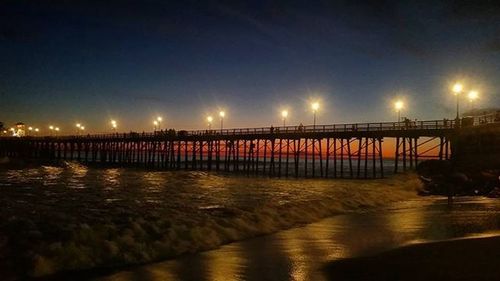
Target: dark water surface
pixel 300 253
pixel 56 218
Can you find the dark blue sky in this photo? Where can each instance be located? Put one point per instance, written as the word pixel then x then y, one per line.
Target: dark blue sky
pixel 87 61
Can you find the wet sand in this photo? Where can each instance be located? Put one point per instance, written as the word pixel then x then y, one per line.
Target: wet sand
pixel 463 259
pixel 301 253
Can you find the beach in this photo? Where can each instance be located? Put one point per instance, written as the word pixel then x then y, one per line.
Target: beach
pixel 72 217
pixel 461 259
pixel 306 252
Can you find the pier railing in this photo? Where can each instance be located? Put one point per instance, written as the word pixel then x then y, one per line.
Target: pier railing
pixel 333 128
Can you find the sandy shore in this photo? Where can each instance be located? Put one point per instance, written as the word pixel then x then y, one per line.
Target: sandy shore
pixel 464 259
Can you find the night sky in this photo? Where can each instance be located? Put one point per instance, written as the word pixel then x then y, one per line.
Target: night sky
pixel 63 62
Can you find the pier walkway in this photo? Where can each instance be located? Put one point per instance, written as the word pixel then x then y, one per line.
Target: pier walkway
pixel 330 151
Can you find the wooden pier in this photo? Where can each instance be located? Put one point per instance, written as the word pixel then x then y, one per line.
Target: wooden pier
pixel 328 151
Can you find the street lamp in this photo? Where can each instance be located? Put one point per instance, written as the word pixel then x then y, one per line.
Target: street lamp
pixel 78 127
pixel 113 125
pixel 159 119
pixel 473 95
pixel 29 130
pixel 156 125
pixel 284 115
pixel 315 107
pixel 209 120
pixel 222 114
pixel 457 89
pixel 51 128
pixel 57 130
pixel 398 105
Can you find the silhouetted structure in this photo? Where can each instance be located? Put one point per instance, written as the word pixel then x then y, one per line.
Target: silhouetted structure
pixel 341 150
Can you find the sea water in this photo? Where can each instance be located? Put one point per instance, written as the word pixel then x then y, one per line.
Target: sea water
pixel 73 217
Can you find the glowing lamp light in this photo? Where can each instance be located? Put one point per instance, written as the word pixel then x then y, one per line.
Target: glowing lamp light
pixel 51 127
pixel 222 114
pixel 37 130
pixel 457 88
pixel 315 106
pixel 210 119
pixel 30 128
pixel 57 129
pixel 473 95
pixel 398 105
pixel 159 119
pixel 78 125
pixel 284 113
pixel 155 123
pixel 82 128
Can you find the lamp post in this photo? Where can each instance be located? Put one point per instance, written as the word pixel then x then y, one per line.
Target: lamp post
pixel 29 130
pixel 57 130
pixel 284 115
pixel 113 125
pixel 78 127
pixel 51 128
pixel 457 89
pixel 398 105
pixel 159 119
pixel 315 107
pixel 473 95
pixel 209 120
pixel 155 123
pixel 221 115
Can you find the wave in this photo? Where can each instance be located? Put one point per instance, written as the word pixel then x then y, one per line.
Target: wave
pixel 150 235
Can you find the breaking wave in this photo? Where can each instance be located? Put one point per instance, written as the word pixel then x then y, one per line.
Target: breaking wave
pixel 74 217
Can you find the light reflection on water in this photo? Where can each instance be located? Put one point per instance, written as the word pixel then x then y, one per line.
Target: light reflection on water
pixel 298 254
pixel 62 197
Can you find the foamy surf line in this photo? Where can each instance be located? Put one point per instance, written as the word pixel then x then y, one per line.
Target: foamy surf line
pixel 153 235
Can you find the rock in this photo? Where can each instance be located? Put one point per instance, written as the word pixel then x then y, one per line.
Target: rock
pixel 431 168
pixel 495 193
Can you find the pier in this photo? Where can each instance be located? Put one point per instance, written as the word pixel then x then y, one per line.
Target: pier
pixel 328 151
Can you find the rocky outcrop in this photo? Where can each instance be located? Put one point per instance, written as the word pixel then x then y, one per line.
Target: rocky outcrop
pixel 441 177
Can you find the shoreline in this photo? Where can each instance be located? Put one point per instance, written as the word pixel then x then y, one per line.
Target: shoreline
pixel 473 258
pixel 159 234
